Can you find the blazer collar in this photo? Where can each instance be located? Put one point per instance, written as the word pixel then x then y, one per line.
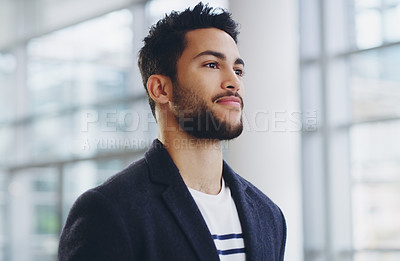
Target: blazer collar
pixel 248 214
pixel 180 202
pixel 184 208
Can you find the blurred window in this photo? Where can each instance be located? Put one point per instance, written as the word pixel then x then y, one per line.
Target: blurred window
pixel 376 22
pixel 51 86
pixel 34 221
pixel 81 176
pixel 73 110
pixel 8 65
pixel 3 195
pixel 85 63
pixel 351 164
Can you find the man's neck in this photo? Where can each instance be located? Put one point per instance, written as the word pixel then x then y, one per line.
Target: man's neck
pixel 199 161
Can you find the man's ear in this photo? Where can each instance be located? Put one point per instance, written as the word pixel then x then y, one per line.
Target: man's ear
pixel 159 88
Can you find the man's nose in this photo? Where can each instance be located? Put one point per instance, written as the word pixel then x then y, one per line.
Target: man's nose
pixel 231 81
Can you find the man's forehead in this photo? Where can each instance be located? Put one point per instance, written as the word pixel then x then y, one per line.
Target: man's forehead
pixel 200 41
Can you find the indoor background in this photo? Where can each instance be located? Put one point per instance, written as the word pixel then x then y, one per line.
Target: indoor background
pixel 322 116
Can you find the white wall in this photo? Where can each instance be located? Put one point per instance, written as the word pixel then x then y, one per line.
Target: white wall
pixel 268 152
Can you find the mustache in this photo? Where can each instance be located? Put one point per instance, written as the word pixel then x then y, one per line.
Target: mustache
pixel 228 93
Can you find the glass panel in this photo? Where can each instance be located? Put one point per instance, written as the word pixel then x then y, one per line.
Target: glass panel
pixel 314 195
pixel 369 83
pixel 311 94
pixel 85 66
pixel 8 26
pixel 310 29
pixel 375 84
pixel 365 4
pixel 78 65
pixel 376 212
pixel 338 29
pixel 44 15
pixel 77 178
pixel 375 256
pixel 391 21
pixel 122 127
pixel 46 226
pixel 368 28
pixel 338 105
pixel 81 176
pixel 391 3
pixel 376 152
pixel 6 146
pixel 50 138
pixel 46 219
pixel 8 66
pixel 35 222
pixel 3 236
pixel 376 193
pixel 339 182
pixel 376 21
pixel 51 84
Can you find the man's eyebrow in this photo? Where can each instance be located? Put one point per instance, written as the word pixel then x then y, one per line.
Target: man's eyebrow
pixel 239 61
pixel 218 55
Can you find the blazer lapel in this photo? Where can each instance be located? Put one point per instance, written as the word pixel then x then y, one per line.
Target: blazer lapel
pixel 248 215
pixel 179 200
pixel 191 221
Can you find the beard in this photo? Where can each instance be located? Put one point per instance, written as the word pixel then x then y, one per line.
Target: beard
pixel 198 120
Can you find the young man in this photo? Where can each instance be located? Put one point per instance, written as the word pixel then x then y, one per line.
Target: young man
pixel 182 201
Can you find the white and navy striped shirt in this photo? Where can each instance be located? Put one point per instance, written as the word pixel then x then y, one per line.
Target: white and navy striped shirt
pixel 220 213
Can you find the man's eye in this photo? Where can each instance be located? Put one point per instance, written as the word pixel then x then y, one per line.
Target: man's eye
pixel 212 65
pixel 239 72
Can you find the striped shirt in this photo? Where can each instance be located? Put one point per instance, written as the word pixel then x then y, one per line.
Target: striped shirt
pixel 219 212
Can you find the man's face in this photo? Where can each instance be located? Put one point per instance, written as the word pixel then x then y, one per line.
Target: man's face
pixel 207 93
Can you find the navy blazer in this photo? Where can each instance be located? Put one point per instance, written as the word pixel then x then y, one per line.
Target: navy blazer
pixel 146 212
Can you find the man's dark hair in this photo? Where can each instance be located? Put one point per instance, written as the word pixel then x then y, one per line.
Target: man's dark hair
pixel 166 40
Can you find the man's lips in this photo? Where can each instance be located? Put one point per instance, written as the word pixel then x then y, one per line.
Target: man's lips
pixel 230 100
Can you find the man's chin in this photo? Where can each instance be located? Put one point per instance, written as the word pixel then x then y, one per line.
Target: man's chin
pixel 208 125
pixel 224 133
pixel 231 117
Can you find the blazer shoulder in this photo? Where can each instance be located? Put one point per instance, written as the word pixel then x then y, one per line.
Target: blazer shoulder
pixel 135 174
pixel 94 230
pixel 115 189
pixel 133 171
pixel 129 188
